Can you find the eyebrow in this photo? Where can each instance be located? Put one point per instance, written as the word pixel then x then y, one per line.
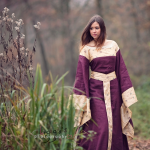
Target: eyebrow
pixel 95 26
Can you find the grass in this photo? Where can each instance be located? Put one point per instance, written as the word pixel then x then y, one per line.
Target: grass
pixel 41 119
pixel 141 111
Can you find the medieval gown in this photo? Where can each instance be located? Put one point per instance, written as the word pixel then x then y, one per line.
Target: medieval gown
pixel 106 97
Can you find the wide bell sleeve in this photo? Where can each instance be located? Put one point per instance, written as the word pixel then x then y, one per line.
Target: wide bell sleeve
pixel 81 89
pixel 127 93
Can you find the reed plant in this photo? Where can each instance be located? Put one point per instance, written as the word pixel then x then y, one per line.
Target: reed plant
pixel 15 59
pixel 43 122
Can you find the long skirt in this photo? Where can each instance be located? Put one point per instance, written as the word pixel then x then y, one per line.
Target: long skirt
pixel 99 115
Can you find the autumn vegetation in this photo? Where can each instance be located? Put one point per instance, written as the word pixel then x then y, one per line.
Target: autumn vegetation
pixel 33 114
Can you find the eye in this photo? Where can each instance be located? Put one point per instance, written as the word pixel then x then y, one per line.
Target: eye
pixel 91 28
pixel 97 27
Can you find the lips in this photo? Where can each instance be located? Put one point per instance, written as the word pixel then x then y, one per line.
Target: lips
pixel 94 34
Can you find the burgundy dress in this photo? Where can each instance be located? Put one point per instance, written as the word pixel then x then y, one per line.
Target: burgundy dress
pixel 106 97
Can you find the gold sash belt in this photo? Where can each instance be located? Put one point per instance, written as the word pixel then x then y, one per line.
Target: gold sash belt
pixel 106 78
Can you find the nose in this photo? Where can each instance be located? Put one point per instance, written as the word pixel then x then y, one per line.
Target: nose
pixel 94 30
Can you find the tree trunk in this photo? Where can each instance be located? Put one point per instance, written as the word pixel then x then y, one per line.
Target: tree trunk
pixel 99 7
pixel 136 22
pixel 45 63
pixel 70 64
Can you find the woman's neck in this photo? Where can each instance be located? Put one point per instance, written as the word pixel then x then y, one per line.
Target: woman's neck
pixel 93 43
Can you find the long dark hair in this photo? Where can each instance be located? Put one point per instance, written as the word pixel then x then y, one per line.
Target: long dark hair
pixel 86 36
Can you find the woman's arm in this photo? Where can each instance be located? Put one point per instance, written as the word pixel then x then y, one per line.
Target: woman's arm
pixel 81 89
pixel 127 93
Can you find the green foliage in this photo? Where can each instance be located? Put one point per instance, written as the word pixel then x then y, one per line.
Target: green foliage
pixel 141 111
pixel 41 119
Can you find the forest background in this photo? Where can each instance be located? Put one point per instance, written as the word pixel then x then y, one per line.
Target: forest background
pixel 127 23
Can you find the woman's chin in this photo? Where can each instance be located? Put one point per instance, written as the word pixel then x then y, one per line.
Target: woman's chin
pixel 95 39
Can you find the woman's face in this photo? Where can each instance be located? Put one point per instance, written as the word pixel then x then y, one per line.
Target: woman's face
pixel 95 30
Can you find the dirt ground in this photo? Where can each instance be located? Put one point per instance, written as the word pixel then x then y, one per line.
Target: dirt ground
pixel 139 144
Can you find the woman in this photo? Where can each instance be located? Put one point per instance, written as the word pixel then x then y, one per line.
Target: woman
pixel 106 95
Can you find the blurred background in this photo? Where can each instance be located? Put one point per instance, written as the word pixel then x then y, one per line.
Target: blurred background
pixel 62 23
